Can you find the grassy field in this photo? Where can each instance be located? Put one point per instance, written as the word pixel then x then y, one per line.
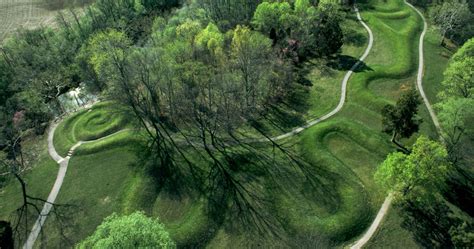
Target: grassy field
pixel 28 14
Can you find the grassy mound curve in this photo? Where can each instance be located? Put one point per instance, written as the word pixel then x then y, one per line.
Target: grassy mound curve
pixel 348 148
pixel 99 121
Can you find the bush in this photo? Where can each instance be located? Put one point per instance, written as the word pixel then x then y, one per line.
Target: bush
pixel 130 231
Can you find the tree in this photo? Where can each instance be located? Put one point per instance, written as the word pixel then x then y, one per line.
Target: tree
pixel 450 18
pixel 455 116
pixel 274 19
pixel 250 52
pixel 401 120
pixel 315 29
pixel 418 176
pixel 459 75
pixel 129 231
pixel 462 235
pixel 227 14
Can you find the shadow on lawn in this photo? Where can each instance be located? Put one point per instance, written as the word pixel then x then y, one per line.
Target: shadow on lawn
pixel 345 63
pixel 428 224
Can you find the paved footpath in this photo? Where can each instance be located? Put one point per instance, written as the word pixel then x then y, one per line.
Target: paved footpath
pixel 63 163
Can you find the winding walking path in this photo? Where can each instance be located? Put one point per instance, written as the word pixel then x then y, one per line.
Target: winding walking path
pixel 419 84
pixel 342 100
pixel 63 162
pixel 419 78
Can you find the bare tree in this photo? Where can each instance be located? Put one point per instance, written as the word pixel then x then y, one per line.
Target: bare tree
pixel 449 17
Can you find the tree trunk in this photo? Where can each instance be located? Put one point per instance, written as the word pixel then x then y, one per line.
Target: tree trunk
pixel 399 145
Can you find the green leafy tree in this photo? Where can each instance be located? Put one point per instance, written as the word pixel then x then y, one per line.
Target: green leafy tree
pixel 274 19
pixel 250 51
pixel 459 76
pixel 462 235
pixel 401 120
pixel 455 116
pixel 107 50
pixel 415 177
pixel 228 14
pixel 130 231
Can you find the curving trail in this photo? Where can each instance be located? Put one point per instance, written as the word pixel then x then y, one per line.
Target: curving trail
pixel 63 164
pixel 419 84
pixel 342 100
pixel 419 78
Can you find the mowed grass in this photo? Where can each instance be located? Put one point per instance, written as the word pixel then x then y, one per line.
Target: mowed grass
pixel 107 176
pixel 95 186
pixel 100 120
pixel 391 233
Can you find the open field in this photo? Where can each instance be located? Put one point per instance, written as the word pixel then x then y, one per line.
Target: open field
pixel 27 14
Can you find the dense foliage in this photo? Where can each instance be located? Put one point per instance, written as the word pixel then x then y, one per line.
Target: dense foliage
pixel 129 231
pixel 454 19
pixel 417 176
pixel 401 120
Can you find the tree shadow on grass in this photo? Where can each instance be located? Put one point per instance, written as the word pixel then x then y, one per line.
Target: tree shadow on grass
pixel 346 62
pixel 428 223
pixel 460 191
pixel 355 39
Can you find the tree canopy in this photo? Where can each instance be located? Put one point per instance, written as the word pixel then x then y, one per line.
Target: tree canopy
pixel 418 175
pixel 129 231
pixel 401 119
pixel 459 75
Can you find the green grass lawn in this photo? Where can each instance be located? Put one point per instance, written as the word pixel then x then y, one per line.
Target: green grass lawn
pixel 436 58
